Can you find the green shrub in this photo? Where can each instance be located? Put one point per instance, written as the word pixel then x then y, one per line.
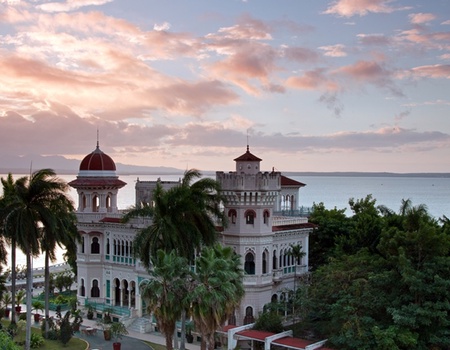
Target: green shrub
pixel 36 340
pixel 6 342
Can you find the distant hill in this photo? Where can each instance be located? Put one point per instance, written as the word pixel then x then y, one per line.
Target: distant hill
pixel 62 165
pixel 366 174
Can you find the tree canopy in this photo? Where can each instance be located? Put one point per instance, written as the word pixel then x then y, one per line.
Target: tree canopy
pixel 385 280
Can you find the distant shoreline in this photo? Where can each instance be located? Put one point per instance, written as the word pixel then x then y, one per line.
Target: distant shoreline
pixel 21 171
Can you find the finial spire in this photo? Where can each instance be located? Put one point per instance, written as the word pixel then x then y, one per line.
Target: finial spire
pixel 248 147
pixel 98 146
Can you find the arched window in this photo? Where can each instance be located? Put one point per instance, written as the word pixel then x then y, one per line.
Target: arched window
pixel 82 245
pixel 82 288
pixel 264 261
pixel 83 202
pixel 249 266
pixel 108 203
pixel 266 217
pixel 232 215
pixel 250 216
pixel 123 248
pixel 249 315
pixel 274 260
pixel 107 246
pixel 95 246
pixel 274 298
pixel 281 258
pixel 95 291
pixel 95 203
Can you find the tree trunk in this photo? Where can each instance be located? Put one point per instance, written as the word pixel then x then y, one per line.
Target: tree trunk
pixel 175 338
pixel 183 330
pixel 169 341
pixel 47 292
pixel 13 280
pixel 29 297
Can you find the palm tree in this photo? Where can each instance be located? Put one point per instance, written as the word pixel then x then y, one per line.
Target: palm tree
pixel 28 213
pixel 63 233
pixel 166 291
pixel 9 186
pixel 218 290
pixel 183 218
pixel 297 253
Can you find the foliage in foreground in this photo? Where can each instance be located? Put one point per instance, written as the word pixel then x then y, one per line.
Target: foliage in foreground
pixel 382 282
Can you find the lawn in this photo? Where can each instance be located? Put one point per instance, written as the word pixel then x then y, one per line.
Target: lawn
pixel 73 344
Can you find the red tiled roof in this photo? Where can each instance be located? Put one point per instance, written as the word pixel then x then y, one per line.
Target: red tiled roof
pixel 293 342
pixel 97 182
pixel 253 334
pixel 97 160
pixel 286 181
pixel 247 156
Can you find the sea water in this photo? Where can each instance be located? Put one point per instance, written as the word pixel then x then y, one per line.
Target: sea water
pixel 332 191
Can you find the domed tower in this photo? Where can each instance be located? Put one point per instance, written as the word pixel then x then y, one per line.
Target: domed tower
pixel 97 184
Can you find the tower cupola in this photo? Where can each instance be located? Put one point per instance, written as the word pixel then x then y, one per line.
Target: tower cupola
pixel 247 163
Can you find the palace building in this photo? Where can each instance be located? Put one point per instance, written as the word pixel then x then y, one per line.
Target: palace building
pixel 264 224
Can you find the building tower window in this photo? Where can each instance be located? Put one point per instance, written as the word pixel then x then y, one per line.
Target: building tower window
pixel 249 266
pixel 95 246
pixel 264 261
pixel 250 216
pixel 95 291
pixel 249 315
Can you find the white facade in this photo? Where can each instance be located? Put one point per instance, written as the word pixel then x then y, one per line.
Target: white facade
pixel 109 276
pixel 262 240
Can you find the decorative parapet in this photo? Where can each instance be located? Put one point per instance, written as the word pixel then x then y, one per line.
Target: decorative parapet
pixel 286 220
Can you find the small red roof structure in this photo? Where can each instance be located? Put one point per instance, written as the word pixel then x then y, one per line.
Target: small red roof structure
pixel 97 161
pixel 288 182
pixel 248 157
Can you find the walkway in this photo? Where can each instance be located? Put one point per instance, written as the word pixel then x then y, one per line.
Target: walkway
pixel 133 341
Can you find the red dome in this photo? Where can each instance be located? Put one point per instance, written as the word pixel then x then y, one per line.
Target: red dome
pixel 97 161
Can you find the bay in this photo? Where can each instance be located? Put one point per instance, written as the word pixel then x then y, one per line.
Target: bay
pixel 333 191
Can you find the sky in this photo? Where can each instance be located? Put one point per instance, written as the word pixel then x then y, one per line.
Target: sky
pixel 309 85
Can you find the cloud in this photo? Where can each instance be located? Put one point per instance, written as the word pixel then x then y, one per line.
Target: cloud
pixel 70 5
pixel 421 18
pixel 437 71
pixel 312 80
pixel 349 8
pixel 334 50
pixel 162 27
pixel 374 39
pixel 369 72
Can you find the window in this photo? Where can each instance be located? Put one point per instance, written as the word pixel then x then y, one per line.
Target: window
pixel 82 245
pixel 264 261
pixel 249 315
pixel 249 266
pixel 250 216
pixel 274 260
pixel 95 246
pixel 82 288
pixel 266 216
pixel 232 215
pixel 95 291
pixel 107 246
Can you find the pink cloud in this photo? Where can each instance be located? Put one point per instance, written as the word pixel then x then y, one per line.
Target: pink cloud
pixel 312 80
pixel 421 18
pixel 437 71
pixel 349 8
pixel 337 50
